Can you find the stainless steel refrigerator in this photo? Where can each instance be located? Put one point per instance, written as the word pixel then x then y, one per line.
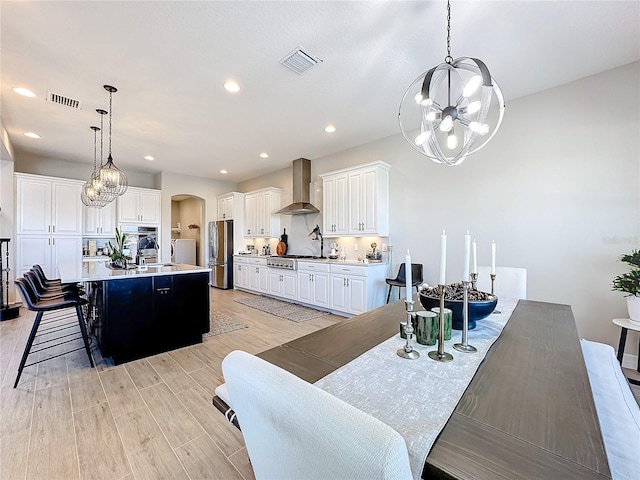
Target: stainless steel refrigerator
pixel 221 253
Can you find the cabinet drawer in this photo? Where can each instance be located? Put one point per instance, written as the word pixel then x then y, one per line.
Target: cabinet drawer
pixel 349 270
pixel 314 266
pixel 239 259
pixel 257 261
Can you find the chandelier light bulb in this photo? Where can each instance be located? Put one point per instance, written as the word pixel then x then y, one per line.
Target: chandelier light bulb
pixel 423 137
pixel 431 116
pixel 472 86
pixel 418 98
pixel 427 102
pixel 452 140
pixel 481 128
pixel 473 107
pixel 447 124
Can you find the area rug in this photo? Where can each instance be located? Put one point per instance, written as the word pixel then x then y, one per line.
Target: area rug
pixel 221 323
pixel 290 311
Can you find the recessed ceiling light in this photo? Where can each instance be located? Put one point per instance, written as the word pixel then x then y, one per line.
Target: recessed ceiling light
pixel 149 157
pixel 330 129
pixel 223 171
pixel 232 86
pixel 25 92
pixel 264 155
pixel 32 135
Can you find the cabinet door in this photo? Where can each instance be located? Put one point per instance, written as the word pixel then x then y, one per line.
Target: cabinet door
pixel 33 206
pixel 290 285
pixel 108 220
pixel 263 281
pixel 33 250
pixel 357 287
pixel 66 208
pixel 320 283
pixel 237 275
pixel 250 215
pixel 254 277
pixel 341 214
pixel 221 209
pixel 128 207
pixel 150 208
pixel 328 205
pixel 275 282
pixel 228 208
pixel 91 221
pixel 66 251
pixel 369 201
pixel 262 214
pixel 305 293
pixel 339 292
pixel 355 199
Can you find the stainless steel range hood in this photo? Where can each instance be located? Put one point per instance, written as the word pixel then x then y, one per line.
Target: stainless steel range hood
pixel 301 182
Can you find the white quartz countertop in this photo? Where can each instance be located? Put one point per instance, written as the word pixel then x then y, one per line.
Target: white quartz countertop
pixel 319 260
pixel 92 271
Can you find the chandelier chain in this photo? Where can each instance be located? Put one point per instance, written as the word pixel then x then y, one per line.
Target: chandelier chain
pixel 448 59
pixel 110 112
pixel 101 136
pixel 95 148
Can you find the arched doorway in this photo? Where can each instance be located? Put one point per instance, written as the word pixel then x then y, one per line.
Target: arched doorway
pixel 188 223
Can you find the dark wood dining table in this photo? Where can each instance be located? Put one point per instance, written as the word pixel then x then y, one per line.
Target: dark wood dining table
pixel 528 412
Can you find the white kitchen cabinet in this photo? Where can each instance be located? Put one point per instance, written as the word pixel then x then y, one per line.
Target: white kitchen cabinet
pixel 230 206
pixel 260 219
pixel 356 289
pixel 241 274
pixel 258 275
pixel 140 206
pixel 99 222
pixel 335 205
pixel 283 283
pixel 48 205
pixel 48 251
pixel 313 283
pixel 356 201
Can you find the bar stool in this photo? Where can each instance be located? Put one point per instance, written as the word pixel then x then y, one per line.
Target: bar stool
pixel 626 324
pixel 48 285
pixel 41 305
pixel 400 280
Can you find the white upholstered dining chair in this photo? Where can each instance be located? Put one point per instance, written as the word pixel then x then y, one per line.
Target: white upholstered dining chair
pixel 294 430
pixel 511 282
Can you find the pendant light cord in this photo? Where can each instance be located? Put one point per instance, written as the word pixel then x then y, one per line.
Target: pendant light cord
pixel 110 111
pixel 448 59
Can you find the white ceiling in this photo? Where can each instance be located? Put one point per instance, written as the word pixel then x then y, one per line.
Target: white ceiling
pixel 169 61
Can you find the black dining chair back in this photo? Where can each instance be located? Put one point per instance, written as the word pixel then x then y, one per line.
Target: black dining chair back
pixel 401 278
pixel 48 282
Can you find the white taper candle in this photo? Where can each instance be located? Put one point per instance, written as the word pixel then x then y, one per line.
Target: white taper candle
pixel 443 258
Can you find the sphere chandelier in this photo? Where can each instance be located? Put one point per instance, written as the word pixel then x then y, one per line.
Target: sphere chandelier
pixel 113 180
pixel 453 109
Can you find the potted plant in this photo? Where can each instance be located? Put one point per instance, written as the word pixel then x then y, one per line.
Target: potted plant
pixel 117 255
pixel 629 283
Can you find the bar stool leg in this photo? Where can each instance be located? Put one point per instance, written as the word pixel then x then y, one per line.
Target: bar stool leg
pixel 389 293
pixel 623 341
pixel 83 329
pixel 27 349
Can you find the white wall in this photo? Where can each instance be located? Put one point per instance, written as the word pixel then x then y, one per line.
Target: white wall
pixel 7 207
pixel 557 189
pixel 28 162
pixel 173 184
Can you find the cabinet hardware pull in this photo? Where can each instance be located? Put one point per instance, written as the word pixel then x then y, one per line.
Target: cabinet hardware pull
pixel 49 240
pixel 53 241
pixel 54 229
pixel 49 229
pixel 347 282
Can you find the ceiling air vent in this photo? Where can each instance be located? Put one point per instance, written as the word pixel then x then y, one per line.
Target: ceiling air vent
pixel 299 61
pixel 62 100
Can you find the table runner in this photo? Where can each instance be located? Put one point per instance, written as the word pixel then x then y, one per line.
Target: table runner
pixel 415 397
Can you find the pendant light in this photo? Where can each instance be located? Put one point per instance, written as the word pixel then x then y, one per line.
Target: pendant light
pixel 113 179
pixel 100 195
pixel 89 195
pixel 453 109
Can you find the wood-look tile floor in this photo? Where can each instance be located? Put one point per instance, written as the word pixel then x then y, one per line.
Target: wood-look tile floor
pixel 146 419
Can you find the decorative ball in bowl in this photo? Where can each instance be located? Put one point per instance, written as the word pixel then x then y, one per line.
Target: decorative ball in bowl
pixel 481 304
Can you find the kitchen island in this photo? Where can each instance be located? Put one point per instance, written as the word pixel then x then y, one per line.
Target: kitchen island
pixel 135 312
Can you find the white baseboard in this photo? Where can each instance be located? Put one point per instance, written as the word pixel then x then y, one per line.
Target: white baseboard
pixel 630 361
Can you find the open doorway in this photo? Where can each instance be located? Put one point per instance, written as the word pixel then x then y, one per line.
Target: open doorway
pixel 187 223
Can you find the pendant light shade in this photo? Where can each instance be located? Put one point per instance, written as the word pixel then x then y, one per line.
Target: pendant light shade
pixel 92 194
pixel 112 179
pixel 451 110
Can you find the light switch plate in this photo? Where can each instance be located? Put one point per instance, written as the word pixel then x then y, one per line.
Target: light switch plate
pixel 384 247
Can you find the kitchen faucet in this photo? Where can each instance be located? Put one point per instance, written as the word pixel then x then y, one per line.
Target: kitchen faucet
pixel 316 231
